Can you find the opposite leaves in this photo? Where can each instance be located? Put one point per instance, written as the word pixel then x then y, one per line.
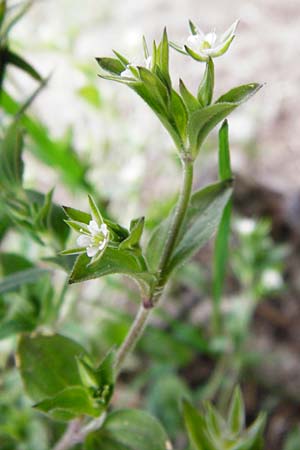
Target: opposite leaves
pixel 59 376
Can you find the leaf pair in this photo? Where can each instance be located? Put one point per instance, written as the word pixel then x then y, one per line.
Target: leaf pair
pixel 58 375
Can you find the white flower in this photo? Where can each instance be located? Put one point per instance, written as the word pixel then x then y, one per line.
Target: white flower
pixel 201 46
pixel 245 226
pixel 271 279
pixel 131 70
pixel 95 238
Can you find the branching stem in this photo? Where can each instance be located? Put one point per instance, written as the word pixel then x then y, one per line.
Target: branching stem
pixel 73 434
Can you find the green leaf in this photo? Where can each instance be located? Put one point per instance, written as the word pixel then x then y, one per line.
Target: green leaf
pixel 203 121
pixel 48 364
pixel 190 101
pixel 96 215
pixel 91 95
pixel 122 59
pixel 206 87
pixel 203 217
pixel 240 94
pixel 76 215
pixel 70 403
pixel 157 93
pixel 114 261
pixel 193 27
pixel 145 48
pixel 195 55
pixel 136 231
pixel 236 416
pixel 47 216
pixel 111 65
pixel 163 56
pixel 179 114
pixel 196 428
pixel 18 61
pixel 129 429
pixel 222 238
pixel 161 110
pixel 14 281
pixel 11 163
pixel 252 438
pixel 224 153
pixel 99 380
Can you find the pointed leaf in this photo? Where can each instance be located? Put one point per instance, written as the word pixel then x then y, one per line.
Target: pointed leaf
pixel 236 417
pixel 179 114
pixel 136 230
pixel 222 238
pixel 76 215
pixel 203 217
pixel 190 101
pixel 195 55
pixel 18 61
pixel 111 65
pixel 122 59
pixel 203 121
pixel 145 47
pixel 252 439
pixel 96 215
pixel 70 403
pixel 163 51
pixel 196 428
pixel 11 163
pixel 240 94
pixel 193 27
pixel 129 429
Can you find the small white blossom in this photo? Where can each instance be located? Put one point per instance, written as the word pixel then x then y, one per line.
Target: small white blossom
pixel 245 226
pixel 128 72
pixel 201 46
pixel 271 279
pixel 94 239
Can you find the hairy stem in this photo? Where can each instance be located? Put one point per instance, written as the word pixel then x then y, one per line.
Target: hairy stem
pixel 134 333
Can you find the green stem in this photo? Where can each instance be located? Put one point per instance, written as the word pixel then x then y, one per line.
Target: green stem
pixel 136 330
pixel 134 333
pixel 138 326
pixel 179 216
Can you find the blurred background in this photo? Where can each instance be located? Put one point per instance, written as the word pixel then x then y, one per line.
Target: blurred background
pixel 90 134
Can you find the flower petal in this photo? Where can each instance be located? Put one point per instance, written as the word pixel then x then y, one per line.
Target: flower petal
pixel 93 227
pixel 83 240
pixel 211 38
pixel 91 251
pixel 104 229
